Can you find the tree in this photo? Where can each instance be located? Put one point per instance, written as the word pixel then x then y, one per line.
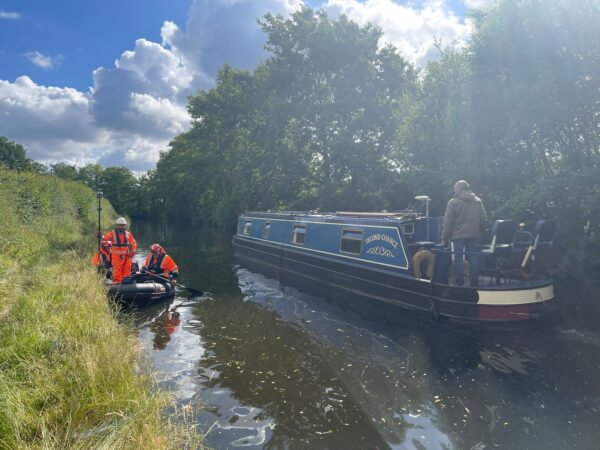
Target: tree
pixel 119 186
pixel 536 97
pixel 434 134
pixel 339 90
pixel 91 175
pixel 311 127
pixel 13 156
pixel 64 171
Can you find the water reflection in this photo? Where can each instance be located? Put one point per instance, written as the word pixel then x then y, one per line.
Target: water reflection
pixel 277 368
pixel 164 326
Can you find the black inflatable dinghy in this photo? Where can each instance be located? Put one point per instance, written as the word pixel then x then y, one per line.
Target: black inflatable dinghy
pixel 140 291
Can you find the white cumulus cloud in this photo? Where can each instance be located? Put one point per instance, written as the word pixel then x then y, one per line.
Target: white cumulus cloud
pixel 479 4
pixel 413 30
pixel 169 116
pixel 136 152
pixel 223 32
pixel 53 123
pixel 146 76
pixel 9 15
pixel 136 106
pixel 44 61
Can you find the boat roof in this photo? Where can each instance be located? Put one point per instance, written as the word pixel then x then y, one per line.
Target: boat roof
pixel 338 216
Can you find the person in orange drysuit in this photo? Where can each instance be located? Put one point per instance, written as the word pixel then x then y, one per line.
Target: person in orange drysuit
pixel 161 264
pixel 122 251
pixel 103 259
pixel 164 326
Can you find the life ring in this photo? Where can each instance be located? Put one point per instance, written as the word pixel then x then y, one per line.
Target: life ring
pixel 418 258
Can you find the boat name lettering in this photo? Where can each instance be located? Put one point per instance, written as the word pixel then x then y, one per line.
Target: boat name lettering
pixel 380 251
pixel 382 237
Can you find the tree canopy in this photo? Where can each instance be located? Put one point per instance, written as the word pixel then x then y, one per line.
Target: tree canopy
pixel 312 127
pixel 13 157
pixel 333 120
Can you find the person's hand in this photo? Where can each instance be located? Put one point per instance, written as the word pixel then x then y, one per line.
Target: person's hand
pixel 443 242
pixel 143 269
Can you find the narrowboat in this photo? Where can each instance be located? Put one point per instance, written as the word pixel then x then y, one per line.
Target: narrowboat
pixel 395 259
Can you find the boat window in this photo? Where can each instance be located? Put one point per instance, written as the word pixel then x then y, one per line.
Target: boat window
pixel 351 241
pixel 267 230
pixel 408 228
pixel 247 226
pixel 299 234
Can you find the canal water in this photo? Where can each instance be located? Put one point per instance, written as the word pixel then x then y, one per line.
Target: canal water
pixel 265 366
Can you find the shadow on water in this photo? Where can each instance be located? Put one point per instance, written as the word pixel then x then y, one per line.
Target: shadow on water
pixel 267 366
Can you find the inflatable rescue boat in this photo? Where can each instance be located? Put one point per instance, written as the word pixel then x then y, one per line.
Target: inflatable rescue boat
pixel 141 291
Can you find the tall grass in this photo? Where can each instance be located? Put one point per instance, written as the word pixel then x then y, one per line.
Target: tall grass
pixel 70 373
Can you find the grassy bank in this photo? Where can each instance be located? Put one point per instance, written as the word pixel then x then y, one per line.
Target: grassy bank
pixel 70 373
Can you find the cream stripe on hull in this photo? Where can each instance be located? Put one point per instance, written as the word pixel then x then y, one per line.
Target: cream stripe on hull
pixel 516 297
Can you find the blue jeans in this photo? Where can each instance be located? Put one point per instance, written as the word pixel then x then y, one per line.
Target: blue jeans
pixel 459 246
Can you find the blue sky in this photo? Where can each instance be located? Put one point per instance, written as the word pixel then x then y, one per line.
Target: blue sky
pixel 107 82
pixel 87 34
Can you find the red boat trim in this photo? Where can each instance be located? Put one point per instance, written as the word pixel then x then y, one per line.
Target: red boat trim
pixel 505 313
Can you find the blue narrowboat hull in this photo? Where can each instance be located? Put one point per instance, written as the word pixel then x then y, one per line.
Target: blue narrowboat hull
pixel 371 283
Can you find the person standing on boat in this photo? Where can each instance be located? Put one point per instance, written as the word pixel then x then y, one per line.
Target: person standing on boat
pixel 464 223
pixel 122 251
pixel 103 259
pixel 161 264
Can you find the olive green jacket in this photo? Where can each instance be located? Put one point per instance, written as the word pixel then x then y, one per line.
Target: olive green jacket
pixel 465 217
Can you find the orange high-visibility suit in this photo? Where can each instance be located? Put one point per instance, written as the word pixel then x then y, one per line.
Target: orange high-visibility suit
pixel 122 250
pixel 102 260
pixel 162 265
pixel 171 321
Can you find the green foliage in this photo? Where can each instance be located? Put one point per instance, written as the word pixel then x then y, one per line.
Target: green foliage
pixel 69 371
pixel 332 121
pixel 534 66
pixel 91 176
pixel 13 157
pixel 312 127
pixel 41 213
pixel 118 184
pixel 64 171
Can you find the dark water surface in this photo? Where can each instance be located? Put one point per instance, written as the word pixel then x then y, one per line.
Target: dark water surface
pixel 267 366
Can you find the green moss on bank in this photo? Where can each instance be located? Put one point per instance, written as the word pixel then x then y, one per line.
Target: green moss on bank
pixel 69 372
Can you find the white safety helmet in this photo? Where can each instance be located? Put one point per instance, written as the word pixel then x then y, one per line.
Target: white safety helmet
pixel 121 221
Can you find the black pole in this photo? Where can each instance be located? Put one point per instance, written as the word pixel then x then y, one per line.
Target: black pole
pixel 99 195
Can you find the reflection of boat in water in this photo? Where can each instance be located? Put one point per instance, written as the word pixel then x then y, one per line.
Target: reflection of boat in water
pixel 380 258
pixel 141 291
